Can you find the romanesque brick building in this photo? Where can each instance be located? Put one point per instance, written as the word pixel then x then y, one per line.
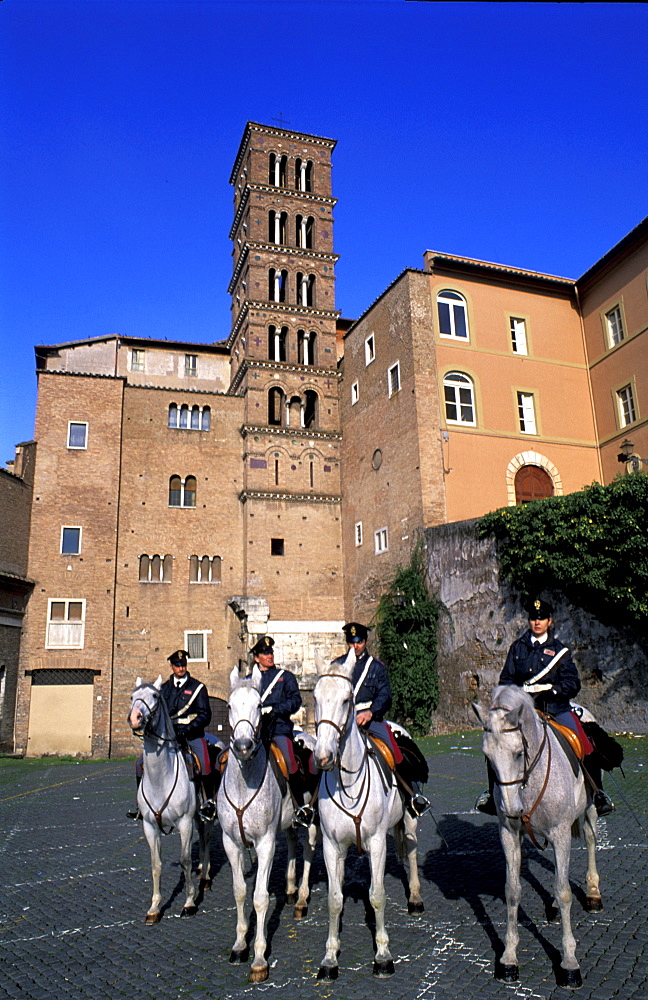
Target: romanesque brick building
pixel 196 496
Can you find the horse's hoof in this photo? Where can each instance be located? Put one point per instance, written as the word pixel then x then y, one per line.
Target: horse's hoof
pixel 383 969
pixel 415 908
pixel 553 915
pixel 328 972
pixel 569 979
pixel 238 957
pixel 593 904
pixel 152 918
pixel 291 897
pixel 205 884
pixel 258 975
pixel 189 911
pixel 507 973
pixel 300 912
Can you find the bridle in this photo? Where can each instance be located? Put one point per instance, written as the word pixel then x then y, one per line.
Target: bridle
pixel 256 744
pixel 528 769
pixel 340 730
pixel 149 730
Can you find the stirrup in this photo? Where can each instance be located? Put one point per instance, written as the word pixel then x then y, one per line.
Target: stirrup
pixel 603 803
pixel 304 816
pixel 207 810
pixel 485 804
pixel 418 805
pixel 134 813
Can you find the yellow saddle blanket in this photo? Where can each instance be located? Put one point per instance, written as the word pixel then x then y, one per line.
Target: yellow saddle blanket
pixel 385 750
pixel 570 736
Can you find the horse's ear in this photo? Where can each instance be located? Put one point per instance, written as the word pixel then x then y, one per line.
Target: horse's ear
pixel 349 662
pixel 256 676
pixel 513 717
pixel 158 683
pixel 480 712
pixel 138 682
pixel 234 677
pixel 320 662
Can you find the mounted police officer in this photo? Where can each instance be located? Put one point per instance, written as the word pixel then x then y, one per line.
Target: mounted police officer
pixel 373 698
pixel 280 698
pixel 542 665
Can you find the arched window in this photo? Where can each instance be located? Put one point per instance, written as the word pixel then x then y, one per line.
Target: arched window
pixel 173 415
pixel 277 340
pixel 189 496
pixel 296 412
pixel 306 347
pixel 184 416
pixel 459 395
pixel 204 569
pixel 277 227
pixel 182 493
pixel 453 315
pixel 532 483
pixel 277 285
pixel 155 569
pixel 206 418
pixel 305 289
pixel 195 418
pixel 275 406
pixel 303 175
pixel 304 231
pixel 175 491
pixel 277 173
pixel 310 408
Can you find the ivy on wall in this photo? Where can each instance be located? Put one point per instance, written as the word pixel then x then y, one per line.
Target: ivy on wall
pixel 591 545
pixel 406 622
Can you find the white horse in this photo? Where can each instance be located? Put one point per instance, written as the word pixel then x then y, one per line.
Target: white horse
pixel 252 811
pixel 536 792
pixel 166 796
pixel 358 805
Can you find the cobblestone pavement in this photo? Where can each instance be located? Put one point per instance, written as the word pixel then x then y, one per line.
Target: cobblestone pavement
pixel 76 877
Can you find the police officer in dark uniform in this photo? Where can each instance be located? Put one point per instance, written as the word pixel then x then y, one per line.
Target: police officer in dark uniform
pixel 541 665
pixel 373 699
pixel 280 698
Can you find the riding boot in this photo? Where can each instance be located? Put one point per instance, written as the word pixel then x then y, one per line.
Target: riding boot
pixel 135 813
pixel 485 802
pixel 416 803
pixel 304 814
pixel 602 801
pixel 210 784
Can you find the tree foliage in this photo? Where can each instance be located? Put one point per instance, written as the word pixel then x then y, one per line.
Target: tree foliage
pixel 406 629
pixel 591 545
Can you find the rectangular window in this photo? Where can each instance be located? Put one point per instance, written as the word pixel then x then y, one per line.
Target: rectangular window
pixel 355 393
pixel 526 413
pixel 518 336
pixel 626 403
pixel 381 540
pixel 393 379
pixel 358 533
pixel 70 541
pixel 276 546
pixel 137 359
pixel 77 435
pixel 196 644
pixel 615 330
pixel 65 623
pixel 191 364
pixel 370 349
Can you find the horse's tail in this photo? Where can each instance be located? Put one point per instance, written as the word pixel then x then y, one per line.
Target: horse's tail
pixel 576 828
pixel 398 834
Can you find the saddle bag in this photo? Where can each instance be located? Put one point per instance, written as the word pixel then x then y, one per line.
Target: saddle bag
pixel 608 751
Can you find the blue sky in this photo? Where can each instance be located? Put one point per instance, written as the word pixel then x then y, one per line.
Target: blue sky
pixel 510 132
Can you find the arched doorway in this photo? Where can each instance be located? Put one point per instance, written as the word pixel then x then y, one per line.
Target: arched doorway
pixel 532 483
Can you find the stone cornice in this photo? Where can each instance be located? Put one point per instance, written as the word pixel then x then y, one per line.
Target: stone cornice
pixel 312 140
pixel 262 305
pixel 280 366
pixel 296 432
pixel 270 189
pixel 266 495
pixel 276 249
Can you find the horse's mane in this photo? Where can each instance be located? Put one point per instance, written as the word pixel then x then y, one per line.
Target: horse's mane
pixel 511 698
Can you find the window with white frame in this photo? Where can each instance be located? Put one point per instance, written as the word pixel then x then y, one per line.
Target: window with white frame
pixel 518 336
pixel 65 623
pixel 204 569
pixel 70 541
pixel 191 364
pixel 185 418
pixel 459 396
pixel 615 329
pixel 393 379
pixel 155 569
pixel 453 315
pixel 196 644
pixel 370 349
pixel 381 540
pixel 626 404
pixel 526 412
pixel 355 393
pixel 358 533
pixel 77 435
pixel 138 357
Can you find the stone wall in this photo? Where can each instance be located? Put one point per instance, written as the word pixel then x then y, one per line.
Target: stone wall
pixel 482 615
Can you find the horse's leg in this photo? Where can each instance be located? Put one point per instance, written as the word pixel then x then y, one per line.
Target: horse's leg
pixel 265 849
pixel 301 906
pixel 570 976
pixel 377 849
pixel 291 866
pixel 152 835
pixel 184 827
pixel 593 901
pixel 408 834
pixel 234 853
pixel 205 828
pixel 334 855
pixel 508 970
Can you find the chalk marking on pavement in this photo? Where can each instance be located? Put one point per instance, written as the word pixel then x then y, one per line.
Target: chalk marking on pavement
pixel 57 784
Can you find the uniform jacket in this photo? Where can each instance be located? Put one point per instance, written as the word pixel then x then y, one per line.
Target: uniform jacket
pixel 198 713
pixel 526 659
pixel 375 693
pixel 284 699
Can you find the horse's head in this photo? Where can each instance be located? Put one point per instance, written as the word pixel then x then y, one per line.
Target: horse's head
pixel 145 701
pixel 506 743
pixel 245 714
pixel 334 709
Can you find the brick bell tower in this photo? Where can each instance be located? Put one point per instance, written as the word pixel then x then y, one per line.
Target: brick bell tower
pixel 284 364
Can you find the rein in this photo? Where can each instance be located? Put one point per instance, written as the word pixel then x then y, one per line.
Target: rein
pixel 528 769
pixel 149 730
pixel 240 810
